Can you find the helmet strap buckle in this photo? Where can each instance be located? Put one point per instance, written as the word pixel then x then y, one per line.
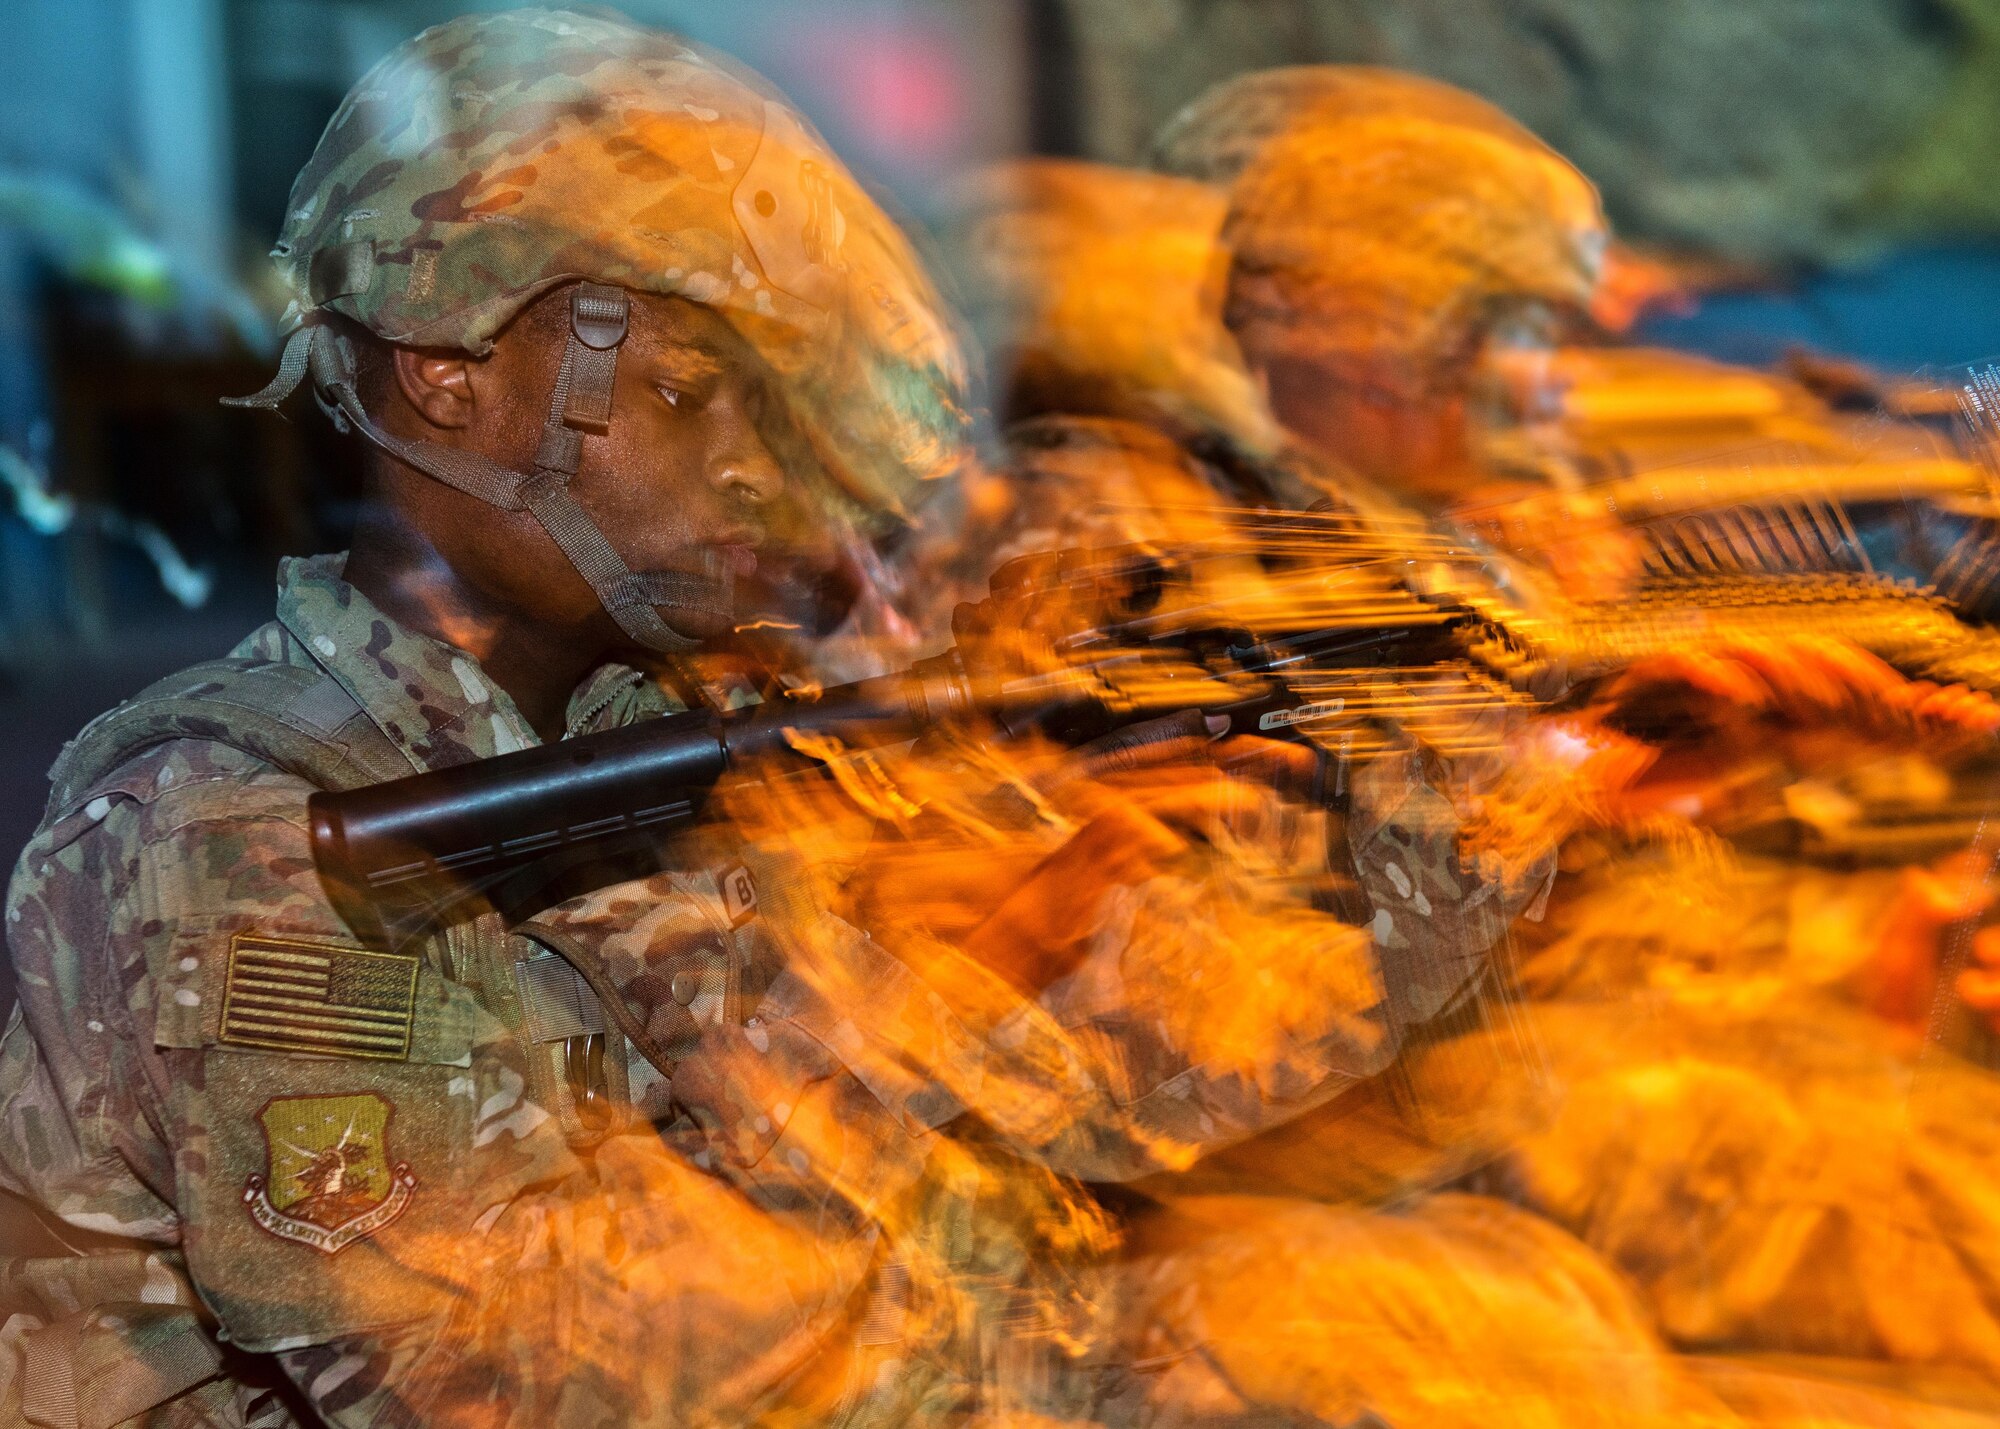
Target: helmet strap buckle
pixel 598 318
pixel 598 315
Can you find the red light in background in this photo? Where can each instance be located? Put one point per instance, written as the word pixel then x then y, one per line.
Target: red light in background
pixel 899 87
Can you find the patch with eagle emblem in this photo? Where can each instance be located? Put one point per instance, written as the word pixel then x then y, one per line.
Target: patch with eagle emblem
pixel 328 1180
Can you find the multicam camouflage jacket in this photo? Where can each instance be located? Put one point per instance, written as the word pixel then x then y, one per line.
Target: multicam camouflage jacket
pixel 277 1175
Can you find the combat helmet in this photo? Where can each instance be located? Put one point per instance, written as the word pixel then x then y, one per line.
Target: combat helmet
pixel 1098 290
pixel 496 157
pixel 1214 138
pixel 1376 214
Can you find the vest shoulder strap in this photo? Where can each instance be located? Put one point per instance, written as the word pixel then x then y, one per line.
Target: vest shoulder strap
pixel 299 719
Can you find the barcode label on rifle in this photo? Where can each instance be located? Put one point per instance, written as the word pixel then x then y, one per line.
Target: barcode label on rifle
pixel 1281 719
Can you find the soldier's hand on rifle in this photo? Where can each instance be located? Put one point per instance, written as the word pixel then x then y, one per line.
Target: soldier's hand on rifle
pixel 1145 799
pixel 1979 985
pixel 1898 979
pixel 1738 719
pixel 1747 685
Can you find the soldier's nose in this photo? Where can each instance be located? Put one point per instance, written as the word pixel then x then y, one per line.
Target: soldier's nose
pixel 751 475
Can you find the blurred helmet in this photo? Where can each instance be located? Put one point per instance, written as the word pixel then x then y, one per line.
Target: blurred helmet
pixel 1098 290
pixel 496 157
pixel 1213 138
pixel 1375 215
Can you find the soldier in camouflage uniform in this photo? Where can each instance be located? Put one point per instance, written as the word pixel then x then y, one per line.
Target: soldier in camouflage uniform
pixel 684 1152
pixel 1385 234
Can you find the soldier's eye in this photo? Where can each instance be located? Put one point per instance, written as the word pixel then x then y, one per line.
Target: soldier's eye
pixel 672 395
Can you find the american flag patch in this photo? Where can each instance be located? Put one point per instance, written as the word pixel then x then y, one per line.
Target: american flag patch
pixel 311 997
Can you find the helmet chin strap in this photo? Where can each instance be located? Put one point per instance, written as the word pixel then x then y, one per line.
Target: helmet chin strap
pixel 581 403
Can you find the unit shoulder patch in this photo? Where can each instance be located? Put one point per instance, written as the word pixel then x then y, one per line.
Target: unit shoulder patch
pixel 289 995
pixel 328 1181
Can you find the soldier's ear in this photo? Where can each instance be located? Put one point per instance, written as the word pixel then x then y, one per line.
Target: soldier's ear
pixel 438 385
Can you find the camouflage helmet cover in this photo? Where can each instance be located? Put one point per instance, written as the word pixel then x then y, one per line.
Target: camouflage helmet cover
pixel 1216 136
pixel 495 157
pixel 1376 214
pixel 1099 290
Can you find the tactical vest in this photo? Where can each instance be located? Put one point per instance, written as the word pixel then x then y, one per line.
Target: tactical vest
pixel 77 1371
pixel 303 721
pixel 297 718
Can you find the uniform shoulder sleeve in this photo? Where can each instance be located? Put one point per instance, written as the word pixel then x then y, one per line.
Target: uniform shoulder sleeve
pixel 83 1121
pixel 345 1149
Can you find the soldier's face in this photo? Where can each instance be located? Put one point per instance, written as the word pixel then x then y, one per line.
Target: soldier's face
pixel 1416 442
pixel 682 480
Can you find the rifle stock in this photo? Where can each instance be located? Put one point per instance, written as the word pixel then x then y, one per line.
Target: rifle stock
pixel 395 857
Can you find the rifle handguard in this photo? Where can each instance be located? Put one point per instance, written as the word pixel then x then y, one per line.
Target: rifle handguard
pixel 398 856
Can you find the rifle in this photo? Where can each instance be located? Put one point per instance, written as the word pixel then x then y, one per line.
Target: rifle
pixel 1352 642
pixel 1072 645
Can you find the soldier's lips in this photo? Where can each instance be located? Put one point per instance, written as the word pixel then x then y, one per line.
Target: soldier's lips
pixel 740 558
